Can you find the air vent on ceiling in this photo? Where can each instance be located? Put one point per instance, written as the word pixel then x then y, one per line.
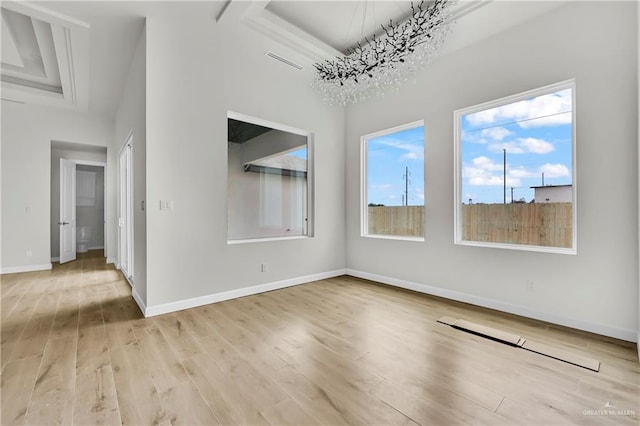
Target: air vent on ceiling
pixel 284 61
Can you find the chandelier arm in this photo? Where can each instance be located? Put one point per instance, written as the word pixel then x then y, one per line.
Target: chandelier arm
pixel 376 63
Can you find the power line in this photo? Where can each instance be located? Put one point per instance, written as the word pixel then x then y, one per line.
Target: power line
pixel 508 123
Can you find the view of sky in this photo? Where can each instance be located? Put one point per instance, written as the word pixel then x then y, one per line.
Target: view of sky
pixel 387 159
pixel 536 134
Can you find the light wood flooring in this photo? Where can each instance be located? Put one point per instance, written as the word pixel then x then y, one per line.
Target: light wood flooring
pixel 76 350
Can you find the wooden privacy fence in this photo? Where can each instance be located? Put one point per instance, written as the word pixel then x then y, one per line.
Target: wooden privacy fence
pixel 541 224
pixel 406 221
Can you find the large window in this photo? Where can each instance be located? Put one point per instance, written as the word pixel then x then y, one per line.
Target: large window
pixel 393 183
pixel 515 174
pixel 268 180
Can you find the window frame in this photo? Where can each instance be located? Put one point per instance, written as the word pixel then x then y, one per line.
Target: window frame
pixel 457 131
pixel 364 206
pixel 310 177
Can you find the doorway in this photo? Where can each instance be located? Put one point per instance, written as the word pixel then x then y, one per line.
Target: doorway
pixel 67 209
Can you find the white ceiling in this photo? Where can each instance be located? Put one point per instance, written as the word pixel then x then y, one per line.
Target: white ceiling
pixel 309 31
pixel 341 25
pixel 43 57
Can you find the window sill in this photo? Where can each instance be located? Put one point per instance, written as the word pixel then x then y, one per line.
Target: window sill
pixel 393 237
pixel 540 249
pixel 268 239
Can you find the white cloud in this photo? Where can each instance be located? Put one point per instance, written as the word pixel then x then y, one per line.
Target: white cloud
pixel 381 186
pixel 536 146
pixel 552 109
pixel 482 172
pixel 413 151
pixel 410 156
pixel 523 146
pixel 521 173
pixel 554 170
pixel 496 133
pixel 484 163
pixel 494 181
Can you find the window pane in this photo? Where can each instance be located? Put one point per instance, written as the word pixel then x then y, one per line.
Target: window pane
pixel 267 175
pixel 517 171
pixel 395 182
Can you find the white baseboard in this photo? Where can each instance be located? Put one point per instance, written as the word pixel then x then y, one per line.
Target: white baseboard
pixel 138 299
pixel 605 330
pixel 96 247
pixel 113 260
pixel 55 259
pixel 165 308
pixel 29 268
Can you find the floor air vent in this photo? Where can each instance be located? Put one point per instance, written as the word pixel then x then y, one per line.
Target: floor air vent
pixel 283 60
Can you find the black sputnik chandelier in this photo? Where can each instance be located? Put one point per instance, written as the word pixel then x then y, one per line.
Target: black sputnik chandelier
pixel 378 64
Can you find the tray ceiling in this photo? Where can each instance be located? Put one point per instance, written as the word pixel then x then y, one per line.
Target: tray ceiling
pixel 44 57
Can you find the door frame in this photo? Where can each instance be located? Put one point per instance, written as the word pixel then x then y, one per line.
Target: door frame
pixel 127 150
pixel 104 212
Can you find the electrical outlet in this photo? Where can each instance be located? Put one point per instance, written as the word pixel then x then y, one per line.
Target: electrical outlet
pixel 529 285
pixel 29 253
pixel 263 267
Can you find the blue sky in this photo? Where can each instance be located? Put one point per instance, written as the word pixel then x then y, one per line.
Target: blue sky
pixel 536 133
pixel 387 157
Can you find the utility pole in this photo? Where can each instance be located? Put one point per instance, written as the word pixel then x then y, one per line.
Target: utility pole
pixel 542 178
pixel 512 195
pixel 504 175
pixel 406 186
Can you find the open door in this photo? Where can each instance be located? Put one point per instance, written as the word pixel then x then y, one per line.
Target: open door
pixel 125 211
pixel 67 210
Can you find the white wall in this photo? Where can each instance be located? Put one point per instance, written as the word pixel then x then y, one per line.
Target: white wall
pixel 249 217
pixel 554 194
pixel 69 154
pixel 27 132
pixel 638 136
pixel 197 71
pixel 270 143
pixel 597 289
pixel 131 118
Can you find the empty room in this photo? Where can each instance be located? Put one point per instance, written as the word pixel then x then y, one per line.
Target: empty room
pixel 320 212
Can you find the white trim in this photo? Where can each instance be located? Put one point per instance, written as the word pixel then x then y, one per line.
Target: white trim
pixel 457 167
pixel 592 327
pixel 364 151
pixel 29 268
pixel 138 299
pixel 267 239
pixel 522 247
pixel 179 305
pixel 96 248
pixel 393 237
pixel 310 145
pixel 266 123
pixel 114 261
pixel 55 259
